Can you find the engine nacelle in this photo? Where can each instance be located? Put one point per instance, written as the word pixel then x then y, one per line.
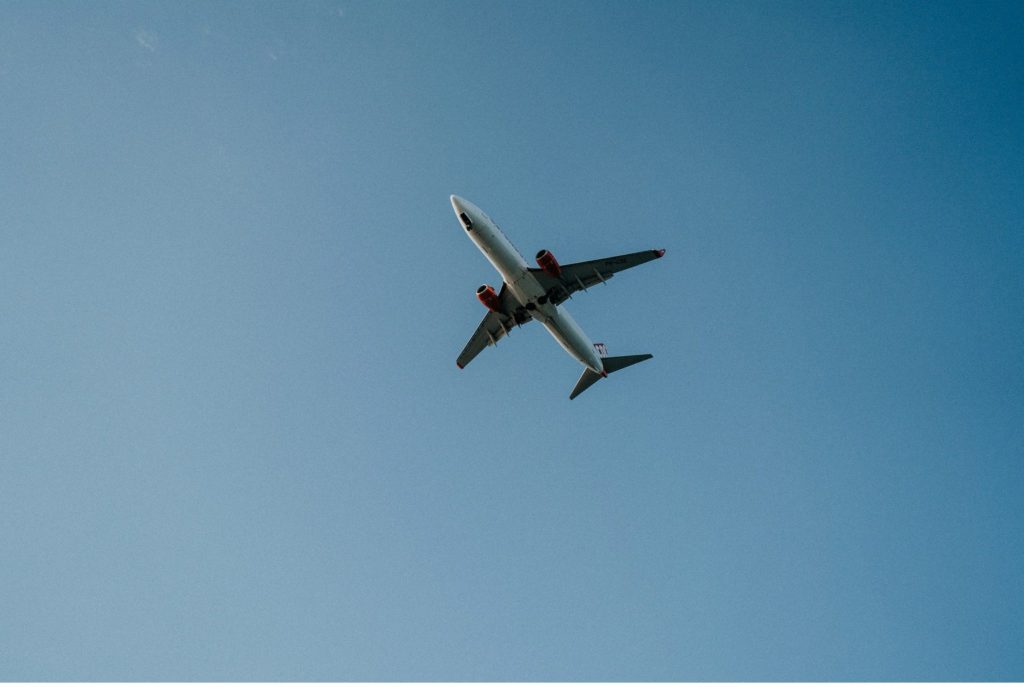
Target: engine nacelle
pixel 489 298
pixel 548 263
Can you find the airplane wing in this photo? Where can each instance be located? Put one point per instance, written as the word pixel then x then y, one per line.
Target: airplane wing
pixel 494 326
pixel 583 275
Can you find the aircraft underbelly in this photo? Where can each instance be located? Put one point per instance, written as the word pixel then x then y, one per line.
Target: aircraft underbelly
pixel 526 288
pixel 555 318
pixel 572 338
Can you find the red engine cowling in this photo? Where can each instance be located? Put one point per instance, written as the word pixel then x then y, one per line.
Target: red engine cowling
pixel 548 263
pixel 489 298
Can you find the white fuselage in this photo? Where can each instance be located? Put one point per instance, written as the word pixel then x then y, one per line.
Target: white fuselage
pixel 524 286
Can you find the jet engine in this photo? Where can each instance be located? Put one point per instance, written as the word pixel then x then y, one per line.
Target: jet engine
pixel 489 298
pixel 548 263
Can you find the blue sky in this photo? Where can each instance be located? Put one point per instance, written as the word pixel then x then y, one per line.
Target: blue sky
pixel 233 441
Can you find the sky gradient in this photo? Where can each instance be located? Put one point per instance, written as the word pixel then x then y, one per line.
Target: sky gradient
pixel 234 444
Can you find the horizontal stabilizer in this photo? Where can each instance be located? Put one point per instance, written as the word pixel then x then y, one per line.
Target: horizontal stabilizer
pixel 587 380
pixel 616 363
pixel 611 364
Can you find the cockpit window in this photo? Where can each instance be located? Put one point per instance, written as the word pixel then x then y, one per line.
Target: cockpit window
pixel 465 221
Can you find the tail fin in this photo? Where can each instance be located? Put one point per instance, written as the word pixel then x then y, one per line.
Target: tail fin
pixel 611 364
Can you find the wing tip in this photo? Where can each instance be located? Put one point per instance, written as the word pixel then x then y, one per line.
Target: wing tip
pixel 459 365
pixel 658 252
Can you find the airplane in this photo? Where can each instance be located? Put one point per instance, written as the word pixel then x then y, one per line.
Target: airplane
pixel 537 293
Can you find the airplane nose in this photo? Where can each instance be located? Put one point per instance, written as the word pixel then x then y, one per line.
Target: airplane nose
pixel 464 210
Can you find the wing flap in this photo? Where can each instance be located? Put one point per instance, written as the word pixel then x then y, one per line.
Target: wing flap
pixel 582 275
pixel 494 326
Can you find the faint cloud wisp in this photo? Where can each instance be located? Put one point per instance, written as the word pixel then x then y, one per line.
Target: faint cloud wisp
pixel 146 39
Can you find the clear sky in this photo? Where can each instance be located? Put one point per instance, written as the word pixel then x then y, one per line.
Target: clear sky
pixel 234 444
